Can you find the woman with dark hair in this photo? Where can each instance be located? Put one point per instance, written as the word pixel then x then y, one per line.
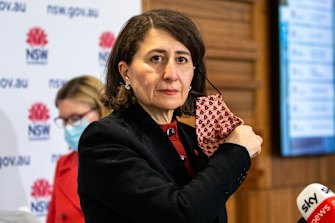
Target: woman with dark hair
pixel 140 164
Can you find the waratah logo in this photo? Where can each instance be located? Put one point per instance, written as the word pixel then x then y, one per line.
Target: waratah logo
pixel 107 40
pixel 37 40
pixel 106 43
pixel 39 113
pixel 41 189
pixel 41 193
pixel 37 37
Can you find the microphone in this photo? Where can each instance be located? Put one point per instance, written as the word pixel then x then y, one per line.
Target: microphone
pixel 302 220
pixel 316 204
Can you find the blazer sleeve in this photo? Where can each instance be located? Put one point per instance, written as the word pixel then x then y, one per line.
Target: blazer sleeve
pixel 115 176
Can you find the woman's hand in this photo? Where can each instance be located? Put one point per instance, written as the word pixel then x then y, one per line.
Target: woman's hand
pixel 244 135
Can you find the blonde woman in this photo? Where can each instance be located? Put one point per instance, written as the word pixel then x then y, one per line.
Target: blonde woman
pixel 78 105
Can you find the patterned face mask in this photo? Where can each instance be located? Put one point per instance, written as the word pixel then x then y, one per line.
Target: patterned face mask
pixel 213 122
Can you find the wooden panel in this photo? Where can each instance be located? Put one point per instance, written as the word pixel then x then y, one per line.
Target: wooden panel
pixel 283 205
pixel 295 171
pixel 249 205
pixel 263 112
pixel 239 100
pixel 240 0
pixel 327 170
pixel 222 10
pixel 232 208
pixel 219 53
pixel 264 206
pixel 215 41
pixel 225 69
pixel 232 83
pixel 224 28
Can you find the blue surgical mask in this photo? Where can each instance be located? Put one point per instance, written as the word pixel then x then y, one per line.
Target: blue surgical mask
pixel 72 133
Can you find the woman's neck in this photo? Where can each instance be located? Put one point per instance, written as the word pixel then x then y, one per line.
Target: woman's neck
pixel 160 116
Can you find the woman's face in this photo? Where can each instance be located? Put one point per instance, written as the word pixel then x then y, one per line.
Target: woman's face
pixel 160 74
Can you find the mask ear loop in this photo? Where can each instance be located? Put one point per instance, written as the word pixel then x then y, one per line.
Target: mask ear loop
pixel 199 94
pixel 211 84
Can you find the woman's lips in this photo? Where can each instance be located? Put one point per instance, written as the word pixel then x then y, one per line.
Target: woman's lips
pixel 169 91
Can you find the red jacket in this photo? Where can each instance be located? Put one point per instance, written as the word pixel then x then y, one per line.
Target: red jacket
pixel 64 205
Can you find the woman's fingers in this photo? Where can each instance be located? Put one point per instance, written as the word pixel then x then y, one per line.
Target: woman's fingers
pixel 244 135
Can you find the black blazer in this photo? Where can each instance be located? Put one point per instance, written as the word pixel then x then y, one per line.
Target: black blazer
pixel 129 171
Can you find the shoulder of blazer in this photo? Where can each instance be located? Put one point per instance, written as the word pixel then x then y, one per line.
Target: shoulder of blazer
pixel 131 116
pixel 133 121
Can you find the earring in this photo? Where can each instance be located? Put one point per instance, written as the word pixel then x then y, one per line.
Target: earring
pixel 189 88
pixel 127 87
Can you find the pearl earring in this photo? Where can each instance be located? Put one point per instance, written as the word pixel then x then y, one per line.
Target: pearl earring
pixel 127 87
pixel 189 88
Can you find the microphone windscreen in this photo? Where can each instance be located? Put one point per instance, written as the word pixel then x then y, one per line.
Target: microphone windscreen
pixel 316 204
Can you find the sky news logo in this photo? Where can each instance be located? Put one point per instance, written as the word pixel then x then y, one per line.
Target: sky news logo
pixel 7 6
pixel 39 129
pixel 106 43
pixel 41 191
pixel 37 40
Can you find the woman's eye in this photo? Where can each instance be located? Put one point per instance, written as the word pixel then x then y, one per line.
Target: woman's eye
pixel 74 118
pixel 156 59
pixel 182 60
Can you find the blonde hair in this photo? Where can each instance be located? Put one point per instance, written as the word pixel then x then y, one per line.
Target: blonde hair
pixel 86 89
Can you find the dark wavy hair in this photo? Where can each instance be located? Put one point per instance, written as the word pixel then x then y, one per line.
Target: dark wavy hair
pixel 127 43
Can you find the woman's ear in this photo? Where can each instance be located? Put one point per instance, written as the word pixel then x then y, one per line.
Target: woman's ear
pixel 123 69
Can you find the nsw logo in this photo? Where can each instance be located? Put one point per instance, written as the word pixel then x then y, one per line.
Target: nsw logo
pixel 37 40
pixel 41 194
pixel 39 129
pixel 106 43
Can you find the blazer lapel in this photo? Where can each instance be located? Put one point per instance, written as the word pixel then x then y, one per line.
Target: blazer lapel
pixel 158 145
pixel 188 136
pixel 67 181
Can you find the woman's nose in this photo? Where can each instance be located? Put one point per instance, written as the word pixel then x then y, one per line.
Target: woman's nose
pixel 170 72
